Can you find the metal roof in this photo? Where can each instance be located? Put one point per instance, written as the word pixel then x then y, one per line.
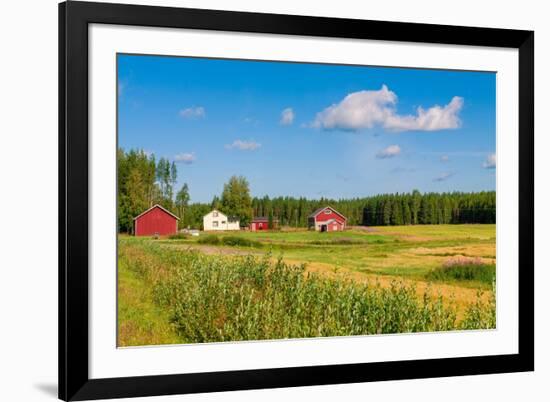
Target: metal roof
pixel 263 218
pixel 157 206
pixel 318 210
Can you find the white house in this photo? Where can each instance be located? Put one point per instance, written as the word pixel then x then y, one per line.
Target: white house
pixel 215 220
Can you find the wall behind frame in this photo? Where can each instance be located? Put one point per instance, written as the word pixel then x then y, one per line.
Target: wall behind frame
pixel 28 168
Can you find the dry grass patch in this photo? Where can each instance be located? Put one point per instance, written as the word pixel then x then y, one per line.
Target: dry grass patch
pixel 455 295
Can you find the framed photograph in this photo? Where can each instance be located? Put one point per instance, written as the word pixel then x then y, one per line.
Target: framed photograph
pixel 258 201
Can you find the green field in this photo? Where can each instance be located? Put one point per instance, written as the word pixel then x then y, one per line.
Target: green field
pixel 195 289
pixel 406 251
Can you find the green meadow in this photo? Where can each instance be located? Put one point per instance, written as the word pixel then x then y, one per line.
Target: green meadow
pixel 279 284
pixel 406 251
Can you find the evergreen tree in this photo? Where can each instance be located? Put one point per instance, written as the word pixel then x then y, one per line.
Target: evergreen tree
pixel 144 181
pixel 216 203
pixel 416 199
pixel 182 201
pixel 407 219
pixel 270 220
pixel 387 212
pixel 396 213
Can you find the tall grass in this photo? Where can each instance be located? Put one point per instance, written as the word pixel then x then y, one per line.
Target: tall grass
pixel 179 236
pixel 212 299
pixel 240 241
pixel 209 239
pixel 229 241
pixel 341 241
pixel 464 269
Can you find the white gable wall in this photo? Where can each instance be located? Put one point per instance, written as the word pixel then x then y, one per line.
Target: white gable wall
pixel 215 220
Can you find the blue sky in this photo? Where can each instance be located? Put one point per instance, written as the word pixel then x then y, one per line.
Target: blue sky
pixel 310 130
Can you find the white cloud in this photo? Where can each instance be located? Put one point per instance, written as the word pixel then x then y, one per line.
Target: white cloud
pixel 369 108
pixel 193 112
pixel 389 152
pixel 186 157
pixel 444 158
pixel 490 162
pixel 243 145
pixel 444 176
pixel 287 117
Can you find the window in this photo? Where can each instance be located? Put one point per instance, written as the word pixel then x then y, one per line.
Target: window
pixel 215 224
pixel 215 215
pixel 327 211
pixel 223 222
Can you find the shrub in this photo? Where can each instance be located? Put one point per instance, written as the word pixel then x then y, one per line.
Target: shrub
pixel 178 236
pixel 240 241
pixel 341 241
pixel 480 315
pixel 464 269
pixel 209 239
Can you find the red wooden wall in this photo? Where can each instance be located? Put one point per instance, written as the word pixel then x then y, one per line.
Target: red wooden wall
pixel 335 226
pixel 262 224
pixel 259 225
pixel 322 217
pixel 156 221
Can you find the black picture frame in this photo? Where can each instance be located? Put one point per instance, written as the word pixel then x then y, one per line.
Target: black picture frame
pixel 74 381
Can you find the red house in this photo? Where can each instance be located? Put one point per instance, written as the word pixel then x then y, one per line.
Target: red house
pixel 262 223
pixel 326 219
pixel 155 221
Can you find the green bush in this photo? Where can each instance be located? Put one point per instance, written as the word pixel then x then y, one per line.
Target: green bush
pixel 240 241
pixel 481 315
pixel 473 271
pixel 179 236
pixel 209 239
pixel 341 241
pixel 229 241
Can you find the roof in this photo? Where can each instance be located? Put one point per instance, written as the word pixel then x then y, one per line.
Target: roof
pixel 229 218
pixel 263 219
pixel 318 210
pixel 216 210
pixel 157 206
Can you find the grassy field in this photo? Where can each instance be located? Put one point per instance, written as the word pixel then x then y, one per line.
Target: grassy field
pixel 447 270
pixel 406 251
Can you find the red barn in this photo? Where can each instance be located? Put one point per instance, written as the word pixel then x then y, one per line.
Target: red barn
pixel 326 219
pixel 262 223
pixel 155 221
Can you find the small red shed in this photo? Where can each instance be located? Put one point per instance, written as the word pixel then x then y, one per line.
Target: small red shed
pixel 262 223
pixel 155 221
pixel 327 219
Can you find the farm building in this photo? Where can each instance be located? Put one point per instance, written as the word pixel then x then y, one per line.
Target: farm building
pixel 262 223
pixel 155 221
pixel 326 219
pixel 216 220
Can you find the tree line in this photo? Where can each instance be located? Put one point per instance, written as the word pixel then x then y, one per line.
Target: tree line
pixel 143 182
pixel 387 209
